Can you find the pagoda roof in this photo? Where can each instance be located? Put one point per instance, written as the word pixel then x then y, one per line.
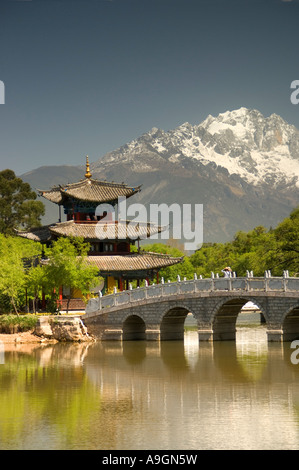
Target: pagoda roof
pixel 90 190
pixel 37 234
pixel 133 262
pixel 109 230
pixel 94 230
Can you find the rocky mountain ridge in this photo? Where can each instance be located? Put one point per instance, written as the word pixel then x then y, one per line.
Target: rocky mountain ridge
pixel 260 150
pixel 243 167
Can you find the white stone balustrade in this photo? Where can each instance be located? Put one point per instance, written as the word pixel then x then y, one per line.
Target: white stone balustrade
pixel 213 284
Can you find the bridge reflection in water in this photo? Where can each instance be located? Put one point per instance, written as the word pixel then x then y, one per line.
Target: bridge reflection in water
pixel 204 395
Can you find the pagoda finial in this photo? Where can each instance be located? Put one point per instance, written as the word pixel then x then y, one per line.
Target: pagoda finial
pixel 87 174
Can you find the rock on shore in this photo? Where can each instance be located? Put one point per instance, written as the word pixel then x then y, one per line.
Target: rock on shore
pixel 62 328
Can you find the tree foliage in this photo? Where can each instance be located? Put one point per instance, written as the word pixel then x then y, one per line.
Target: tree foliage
pixel 287 239
pixel 183 269
pixel 258 250
pixel 19 207
pixel 23 273
pixel 14 256
pixel 67 265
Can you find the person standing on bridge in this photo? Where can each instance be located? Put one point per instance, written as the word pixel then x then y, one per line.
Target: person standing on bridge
pixel 227 271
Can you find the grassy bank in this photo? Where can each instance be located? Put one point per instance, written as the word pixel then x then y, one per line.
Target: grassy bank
pixel 16 324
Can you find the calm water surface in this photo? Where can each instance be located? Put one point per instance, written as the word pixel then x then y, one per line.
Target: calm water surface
pixel 147 395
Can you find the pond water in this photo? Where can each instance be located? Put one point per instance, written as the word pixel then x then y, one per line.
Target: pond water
pixel 141 395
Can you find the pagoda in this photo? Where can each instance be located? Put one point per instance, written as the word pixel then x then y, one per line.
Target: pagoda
pixel 112 255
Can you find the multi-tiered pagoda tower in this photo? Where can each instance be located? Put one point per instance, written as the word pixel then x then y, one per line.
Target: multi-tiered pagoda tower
pixel 112 255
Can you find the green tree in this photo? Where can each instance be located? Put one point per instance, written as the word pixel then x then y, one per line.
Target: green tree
pixel 19 207
pixel 212 257
pixel 68 266
pixel 16 254
pixel 287 238
pixel 12 274
pixel 183 269
pixel 252 251
pixel 255 251
pixel 36 283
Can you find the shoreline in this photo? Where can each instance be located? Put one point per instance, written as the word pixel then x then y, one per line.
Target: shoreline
pixel 24 337
pixel 27 337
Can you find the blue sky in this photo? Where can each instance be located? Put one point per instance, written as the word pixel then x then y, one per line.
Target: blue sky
pixel 85 77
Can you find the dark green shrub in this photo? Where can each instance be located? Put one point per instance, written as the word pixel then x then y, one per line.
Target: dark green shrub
pixel 14 323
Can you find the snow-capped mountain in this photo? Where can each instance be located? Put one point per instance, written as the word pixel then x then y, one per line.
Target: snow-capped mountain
pixel 257 149
pixel 243 167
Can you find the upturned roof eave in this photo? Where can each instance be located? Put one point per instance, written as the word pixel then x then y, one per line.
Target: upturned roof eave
pixel 85 230
pixel 133 262
pixel 59 194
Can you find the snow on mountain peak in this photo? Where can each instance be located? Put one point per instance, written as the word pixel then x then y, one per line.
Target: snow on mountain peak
pixel 238 121
pixel 258 149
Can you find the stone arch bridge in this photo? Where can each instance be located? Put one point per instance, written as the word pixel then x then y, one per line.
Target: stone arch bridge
pixel 158 312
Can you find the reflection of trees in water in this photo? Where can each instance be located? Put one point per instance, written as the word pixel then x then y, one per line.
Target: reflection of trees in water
pixel 55 397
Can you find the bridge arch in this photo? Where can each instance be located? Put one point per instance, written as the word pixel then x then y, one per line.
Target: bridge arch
pixel 133 328
pixel 224 316
pixel 172 323
pixel 290 323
